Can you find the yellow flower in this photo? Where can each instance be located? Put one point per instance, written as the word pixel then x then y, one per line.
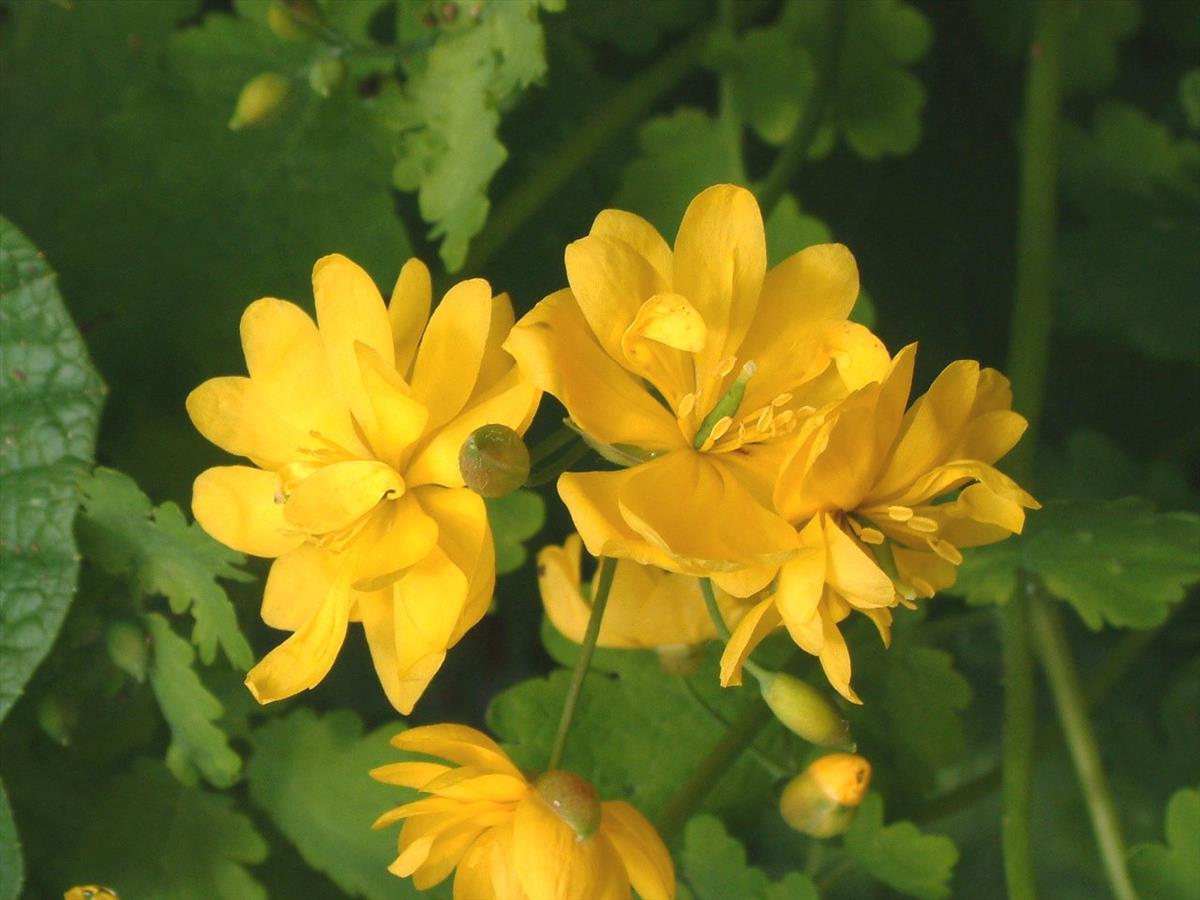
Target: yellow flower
pixel 822 800
pixel 354 427
pixel 883 500
pixel 510 839
pixel 692 365
pixel 648 608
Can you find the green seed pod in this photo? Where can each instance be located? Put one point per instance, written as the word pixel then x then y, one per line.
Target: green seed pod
pixel 804 710
pixel 823 799
pixel 573 799
pixel 127 648
pixel 326 74
pixel 261 96
pixel 494 461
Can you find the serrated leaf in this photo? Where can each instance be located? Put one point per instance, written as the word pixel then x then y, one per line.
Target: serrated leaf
pixel 161 553
pixel 515 519
pixel 1171 871
pixel 152 837
pixel 899 855
pixel 50 398
pixel 769 74
pixel 12 865
pixel 197 745
pixel 309 774
pixel 1118 562
pixel 714 864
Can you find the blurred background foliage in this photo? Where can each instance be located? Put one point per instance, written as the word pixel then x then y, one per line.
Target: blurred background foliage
pixel 483 136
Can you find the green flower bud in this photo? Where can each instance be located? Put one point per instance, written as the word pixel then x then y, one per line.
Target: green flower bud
pixel 260 97
pixel 57 717
pixel 326 74
pixel 572 798
pixel 128 649
pixel 804 710
pixel 823 799
pixel 289 19
pixel 494 461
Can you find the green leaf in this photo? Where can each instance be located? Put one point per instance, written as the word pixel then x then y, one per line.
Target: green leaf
pixel 767 96
pixel 715 866
pixel 1171 871
pixel 446 114
pixel 1091 466
pixel 1189 96
pixel 12 866
pixel 50 398
pixel 876 104
pixel 632 26
pixel 162 554
pixel 190 710
pixel 899 855
pixel 152 837
pixel 309 774
pixel 515 519
pixel 1118 562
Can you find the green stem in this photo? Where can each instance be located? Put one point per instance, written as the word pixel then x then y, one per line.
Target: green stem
pixel 608 567
pixel 771 766
pixel 1055 656
pixel 546 473
pixel 1029 349
pixel 559 166
pixel 775 185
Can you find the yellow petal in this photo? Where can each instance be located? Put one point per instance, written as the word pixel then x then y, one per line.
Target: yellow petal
pixel 336 495
pixel 297 585
pixel 835 659
pixel 719 263
pixel 448 850
pixel 557 351
pixel 232 413
pixel 408 774
pixel 305 658
pixel 989 436
pixel 760 621
pixel 658 343
pixel 465 536
pixel 559 586
pixel 400 534
pixel 610 281
pixel 496 363
pixel 745 582
pixel 893 398
pixel 552 863
pixel 408 311
pixel 646 859
pixel 925 571
pixel 452 349
pixel 429 600
pixel 854 574
pixel 640 235
pixel 802 582
pixel 236 505
pixel 478 783
pixel 396 419
pixel 350 310
pixel 486 871
pixel 591 498
pixel 458 744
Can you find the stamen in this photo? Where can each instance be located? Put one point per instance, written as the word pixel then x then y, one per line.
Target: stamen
pixel 946 550
pixel 687 403
pixel 923 524
pixel 720 428
pixel 785 418
pixel 782 400
pixel 725 366
pixel 899 513
pixel 870 535
pixel 764 419
pixel 726 406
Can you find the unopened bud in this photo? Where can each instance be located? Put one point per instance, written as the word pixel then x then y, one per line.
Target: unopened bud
pixel 326 74
pixel 805 711
pixel 823 799
pixel 56 717
pixel 261 96
pixel 680 660
pixel 127 648
pixel 292 20
pixel 572 798
pixel 494 461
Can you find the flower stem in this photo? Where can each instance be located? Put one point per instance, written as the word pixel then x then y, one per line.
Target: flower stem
pixel 775 185
pixel 1055 656
pixel 1032 315
pixel 608 567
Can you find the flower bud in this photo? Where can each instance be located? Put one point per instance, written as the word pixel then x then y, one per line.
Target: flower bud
pixel 822 800
pixel 90 892
pixel 57 718
pixel 260 97
pixel 805 711
pixel 494 461
pixel 680 659
pixel 127 648
pixel 288 19
pixel 326 74
pixel 572 798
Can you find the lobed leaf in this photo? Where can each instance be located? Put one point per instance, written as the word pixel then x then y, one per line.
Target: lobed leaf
pixel 714 864
pixel 900 855
pixel 1171 871
pixel 515 519
pixel 12 866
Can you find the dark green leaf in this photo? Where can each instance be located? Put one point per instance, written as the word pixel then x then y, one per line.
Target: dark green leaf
pixel 770 75
pixel 515 519
pixel 161 553
pixel 1171 871
pixel 715 866
pixel 50 399
pixel 1090 466
pixel 899 855
pixel 1189 96
pixel 190 710
pixel 12 865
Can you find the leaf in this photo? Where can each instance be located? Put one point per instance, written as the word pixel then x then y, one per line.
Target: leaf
pixel 1189 96
pixel 715 866
pixel 190 710
pixel 1171 871
pixel 1091 466
pixel 152 837
pixel 447 111
pixel 515 519
pixel 50 398
pixel 162 554
pixel 309 774
pixel 876 104
pixel 1118 562
pixel 770 76
pixel 631 26
pixel 899 855
pixel 12 866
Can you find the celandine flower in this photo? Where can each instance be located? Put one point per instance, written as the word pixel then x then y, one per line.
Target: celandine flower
pixel 691 366
pixel 354 427
pixel 511 839
pixel 883 500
